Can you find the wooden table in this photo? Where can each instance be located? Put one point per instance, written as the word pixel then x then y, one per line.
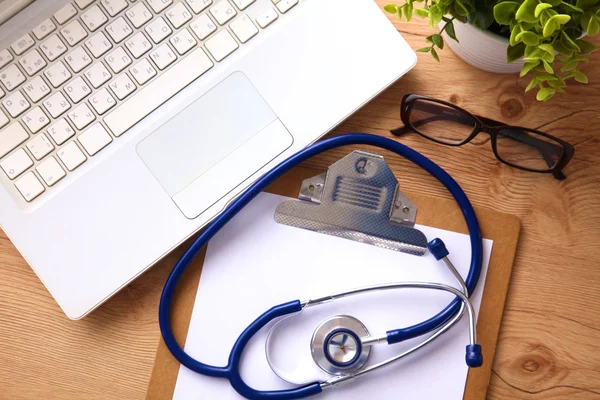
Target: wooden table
pixel 549 345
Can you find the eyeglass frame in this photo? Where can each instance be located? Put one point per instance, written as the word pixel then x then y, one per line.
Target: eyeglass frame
pixel 485 125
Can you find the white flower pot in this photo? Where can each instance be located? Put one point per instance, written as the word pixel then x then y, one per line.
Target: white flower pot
pixel 482 49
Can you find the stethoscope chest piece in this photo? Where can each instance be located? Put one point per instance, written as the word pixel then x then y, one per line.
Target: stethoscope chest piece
pixel 336 345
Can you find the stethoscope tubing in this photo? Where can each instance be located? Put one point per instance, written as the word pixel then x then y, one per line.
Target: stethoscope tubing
pixel 230 371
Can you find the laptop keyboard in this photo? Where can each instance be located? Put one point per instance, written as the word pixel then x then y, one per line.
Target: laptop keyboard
pixel 86 75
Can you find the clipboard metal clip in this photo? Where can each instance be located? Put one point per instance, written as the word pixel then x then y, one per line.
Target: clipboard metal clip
pixel 358 198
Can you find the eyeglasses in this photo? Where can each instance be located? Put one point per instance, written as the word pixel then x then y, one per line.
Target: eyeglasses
pixel 522 148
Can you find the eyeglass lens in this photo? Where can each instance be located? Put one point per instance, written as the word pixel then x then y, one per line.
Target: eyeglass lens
pixel 441 122
pixel 527 149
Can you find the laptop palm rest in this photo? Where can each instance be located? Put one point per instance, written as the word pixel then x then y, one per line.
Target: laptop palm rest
pixel 213 145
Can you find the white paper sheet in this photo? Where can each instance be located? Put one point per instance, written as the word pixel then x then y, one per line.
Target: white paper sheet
pixel 255 263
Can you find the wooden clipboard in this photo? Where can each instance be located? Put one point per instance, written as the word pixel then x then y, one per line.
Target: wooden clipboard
pixel 502 228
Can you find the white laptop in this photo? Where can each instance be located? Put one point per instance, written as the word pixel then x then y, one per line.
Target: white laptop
pixel 125 126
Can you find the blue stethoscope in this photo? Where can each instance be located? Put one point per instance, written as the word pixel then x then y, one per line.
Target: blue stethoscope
pixel 339 343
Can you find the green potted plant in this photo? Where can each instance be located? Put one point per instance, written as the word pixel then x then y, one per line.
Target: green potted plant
pixel 544 39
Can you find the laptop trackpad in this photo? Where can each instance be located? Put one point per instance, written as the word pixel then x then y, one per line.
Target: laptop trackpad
pixel 214 144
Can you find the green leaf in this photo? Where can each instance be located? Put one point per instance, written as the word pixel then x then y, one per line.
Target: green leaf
pixel 528 67
pixel 529 38
pixel 561 48
pixel 555 23
pixel 547 48
pixel 435 54
pixel 554 3
pixel 504 12
pixel 408 11
pixel 516 30
pixel 390 8
pixel 514 53
pixel 534 82
pixel 580 77
pixel 460 8
pixel 435 15
pixel 571 7
pixel 568 42
pixel 545 94
pixel 548 67
pixel 541 7
pixel 526 12
pixel 590 24
pixel 438 41
pixel 585 3
pixel 546 77
pixel 424 50
pixel 585 46
pixel 449 29
pixel 568 66
pixel 421 13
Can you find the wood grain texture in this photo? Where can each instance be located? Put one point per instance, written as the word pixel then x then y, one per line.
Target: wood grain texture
pixel 549 345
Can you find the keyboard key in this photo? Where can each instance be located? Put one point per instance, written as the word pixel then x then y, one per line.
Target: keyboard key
pixel 102 101
pixel 198 5
pixel 143 71
pixel 78 59
pixel 178 15
pixel 243 28
pixel 60 131
pixel 241 4
pixel 138 45
pixel 98 75
pixel 98 44
pixel 122 86
pixel 11 137
pixel 5 57
pixel 29 186
pixel 159 5
pixel 285 5
pixel 71 156
pixel 40 146
pixel 163 56
pixel 119 29
pixel 36 120
pixel 117 60
pixel 51 171
pixel 17 163
pixel 1 93
pixel 77 89
pixel 139 15
pixel 44 29
pixel 36 89
pixel 56 105
pixel 65 14
pixel 3 119
pixel 157 92
pixel 73 33
pixel 83 3
pixel 113 7
pixel 82 116
pixel 183 41
pixel 53 47
pixel 158 30
pixel 203 26
pixel 223 11
pixel 16 104
pixel 12 77
pixel 57 74
pixel 94 139
pixel 93 18
pixel 266 18
pixel 221 45
pixel 32 62
pixel 22 44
